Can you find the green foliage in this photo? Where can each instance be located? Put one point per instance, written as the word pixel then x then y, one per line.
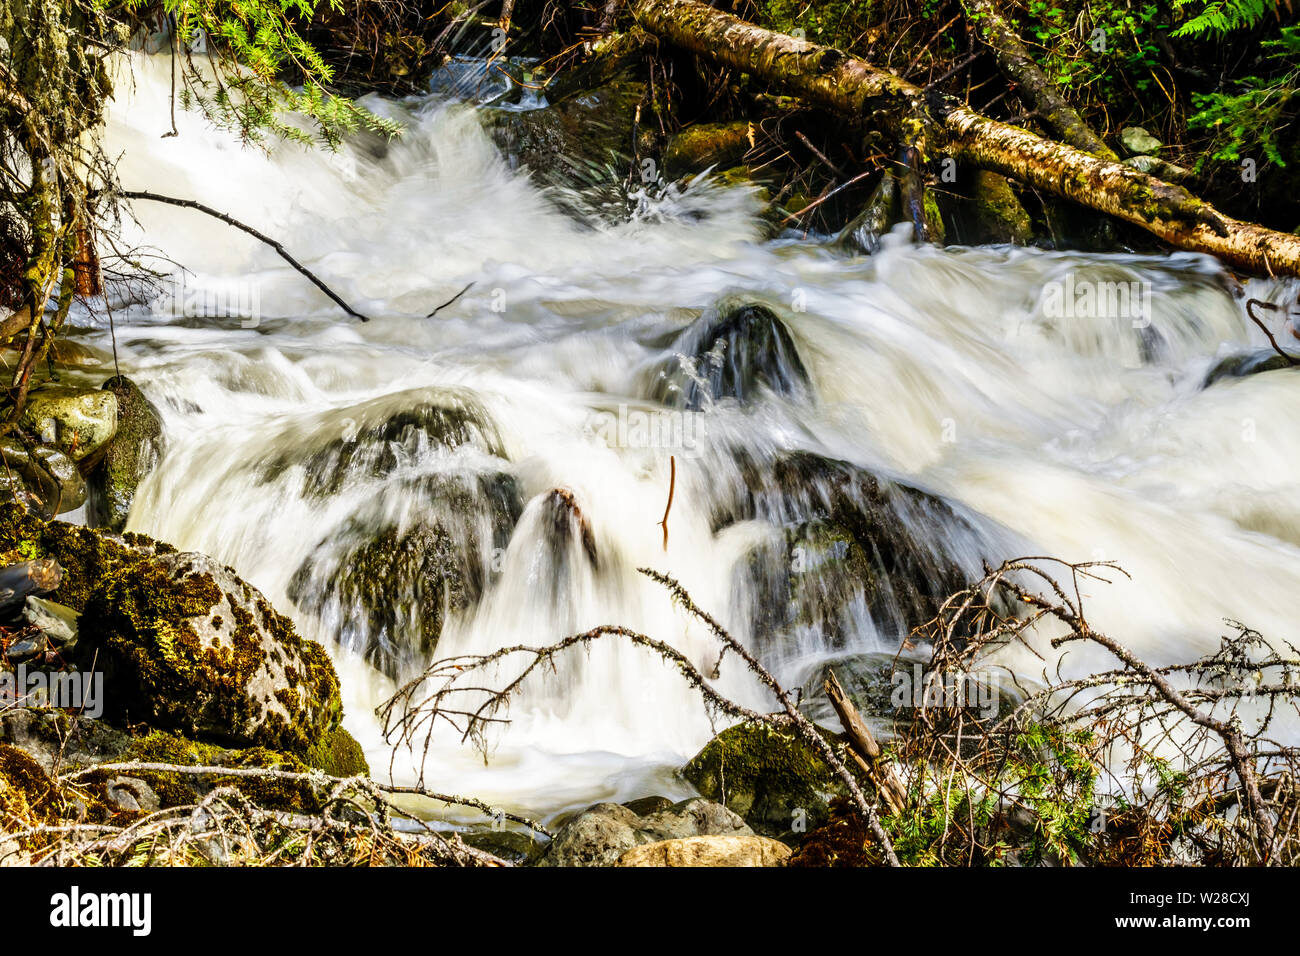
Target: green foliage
pixel 1048 772
pixel 249 46
pixel 1246 122
pixel 1221 16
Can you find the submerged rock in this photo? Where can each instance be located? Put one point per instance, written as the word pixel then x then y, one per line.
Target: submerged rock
pixel 581 146
pixel 601 834
pixel 737 353
pixel 708 851
pixel 77 421
pixel 1249 363
pixel 846 541
pixel 386 586
pixel 133 453
pixel 381 436
pixel 186 645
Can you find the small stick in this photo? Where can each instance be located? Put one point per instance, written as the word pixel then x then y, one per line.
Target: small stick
pixel 1250 311
pixel 449 301
pixel 672 486
pixel 231 221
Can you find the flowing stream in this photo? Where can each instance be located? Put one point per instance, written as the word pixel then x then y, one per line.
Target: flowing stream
pixel 303 444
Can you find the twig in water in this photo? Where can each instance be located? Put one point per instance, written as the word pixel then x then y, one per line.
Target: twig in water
pixel 1250 311
pixel 672 486
pixel 449 301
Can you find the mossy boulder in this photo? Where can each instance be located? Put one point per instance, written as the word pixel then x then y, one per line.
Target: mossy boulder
pixel 994 213
pixel 127 460
pixel 778 784
pixel 188 646
pixel 87 556
pixel 705 145
pixel 338 754
pixel 78 421
pixel 181 789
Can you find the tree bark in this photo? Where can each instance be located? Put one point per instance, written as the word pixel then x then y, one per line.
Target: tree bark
pixel 847 85
pixel 1016 63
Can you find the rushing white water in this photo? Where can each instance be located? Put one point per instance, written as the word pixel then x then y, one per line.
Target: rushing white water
pixel 1084 437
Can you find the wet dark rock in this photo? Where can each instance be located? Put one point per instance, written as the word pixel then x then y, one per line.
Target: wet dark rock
pixel 737 353
pixel 186 645
pixel 42 477
pixel 643 806
pixel 881 211
pixel 129 457
pixel 845 538
pixel 514 846
pixel 381 436
pixel 1249 363
pixel 580 147
pixel 386 587
pixel 602 833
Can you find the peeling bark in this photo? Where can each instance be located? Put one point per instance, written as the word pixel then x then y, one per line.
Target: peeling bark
pixel 850 86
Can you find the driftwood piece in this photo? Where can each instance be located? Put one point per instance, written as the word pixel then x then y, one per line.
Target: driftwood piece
pixel 864 747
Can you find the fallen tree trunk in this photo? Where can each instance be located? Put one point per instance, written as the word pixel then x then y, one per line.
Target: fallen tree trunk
pixel 847 85
pixel 1018 66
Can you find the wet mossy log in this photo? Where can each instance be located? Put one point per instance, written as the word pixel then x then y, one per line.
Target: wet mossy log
pixel 836 81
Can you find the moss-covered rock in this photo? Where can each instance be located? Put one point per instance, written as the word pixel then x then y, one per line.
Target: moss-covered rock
pixel 188 646
pixel 78 421
pixel 994 213
pixel 774 781
pixel 28 796
pixel 338 754
pixel 181 789
pixel 86 556
pixel 703 145
pixel 132 454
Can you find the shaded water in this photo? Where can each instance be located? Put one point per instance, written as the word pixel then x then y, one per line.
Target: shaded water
pixel 568 365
